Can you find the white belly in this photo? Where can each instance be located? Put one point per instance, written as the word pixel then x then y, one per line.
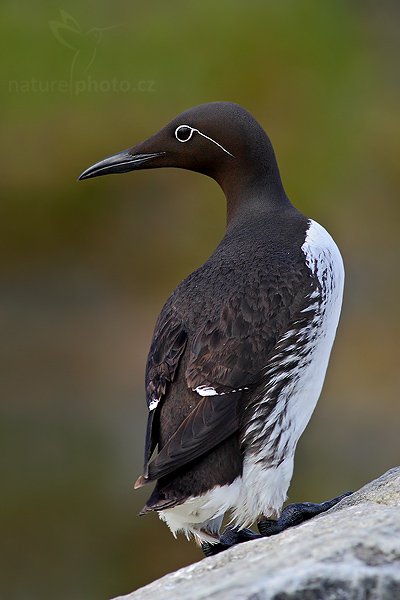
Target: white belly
pixel 266 477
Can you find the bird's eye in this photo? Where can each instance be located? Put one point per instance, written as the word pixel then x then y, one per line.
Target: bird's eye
pixel 183 133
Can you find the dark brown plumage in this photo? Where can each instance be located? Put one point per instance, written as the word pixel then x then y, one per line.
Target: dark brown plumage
pixel 247 311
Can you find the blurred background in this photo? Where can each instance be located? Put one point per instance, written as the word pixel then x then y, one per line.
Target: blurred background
pixel 85 268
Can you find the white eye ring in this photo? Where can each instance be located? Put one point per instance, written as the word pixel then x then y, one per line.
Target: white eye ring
pixel 191 131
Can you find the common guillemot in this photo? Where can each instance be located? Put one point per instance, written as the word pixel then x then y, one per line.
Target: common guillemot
pixel 241 347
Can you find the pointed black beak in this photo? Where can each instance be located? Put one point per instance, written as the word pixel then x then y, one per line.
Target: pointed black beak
pixel 118 163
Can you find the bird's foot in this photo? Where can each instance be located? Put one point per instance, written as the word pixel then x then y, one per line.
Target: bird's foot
pixel 230 537
pixel 294 514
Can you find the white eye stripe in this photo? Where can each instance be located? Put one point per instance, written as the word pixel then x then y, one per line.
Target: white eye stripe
pixel 192 131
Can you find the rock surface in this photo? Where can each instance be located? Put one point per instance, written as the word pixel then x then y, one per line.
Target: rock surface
pixel 351 552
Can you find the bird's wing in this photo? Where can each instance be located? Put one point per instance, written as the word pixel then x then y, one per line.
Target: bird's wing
pixel 213 420
pixel 167 347
pixel 230 352
pixel 228 355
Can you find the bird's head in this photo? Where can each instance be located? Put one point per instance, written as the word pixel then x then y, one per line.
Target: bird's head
pixel 219 139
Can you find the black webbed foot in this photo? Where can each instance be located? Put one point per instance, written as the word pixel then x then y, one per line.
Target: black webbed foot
pixel 294 514
pixel 230 537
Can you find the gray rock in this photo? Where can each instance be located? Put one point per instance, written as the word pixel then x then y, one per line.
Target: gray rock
pixel 351 552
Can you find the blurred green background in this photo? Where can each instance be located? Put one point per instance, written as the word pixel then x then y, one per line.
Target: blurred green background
pixel 85 268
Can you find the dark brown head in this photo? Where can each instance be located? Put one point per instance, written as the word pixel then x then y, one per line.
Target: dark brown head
pixel 219 139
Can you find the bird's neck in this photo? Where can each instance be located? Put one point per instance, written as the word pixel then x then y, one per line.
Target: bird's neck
pixel 253 194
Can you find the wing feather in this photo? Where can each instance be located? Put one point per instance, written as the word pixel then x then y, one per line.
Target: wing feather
pixel 167 348
pixel 214 419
